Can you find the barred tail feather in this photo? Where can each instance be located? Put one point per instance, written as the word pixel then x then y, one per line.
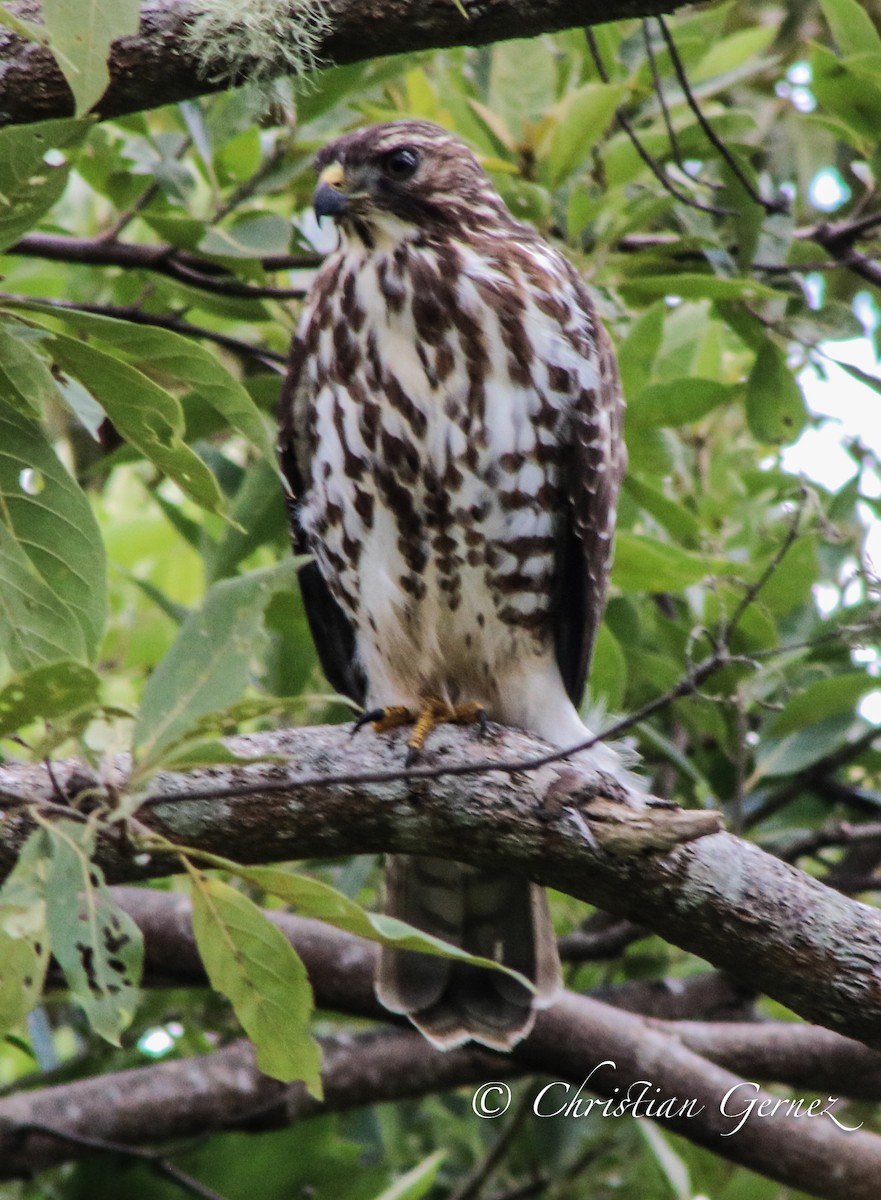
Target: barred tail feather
pixel 487 913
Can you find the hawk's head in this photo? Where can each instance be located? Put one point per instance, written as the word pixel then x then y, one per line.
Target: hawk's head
pixel 400 179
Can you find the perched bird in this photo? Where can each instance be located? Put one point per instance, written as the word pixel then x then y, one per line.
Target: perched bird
pixel 451 433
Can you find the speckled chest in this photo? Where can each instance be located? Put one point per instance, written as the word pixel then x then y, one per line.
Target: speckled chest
pixel 438 387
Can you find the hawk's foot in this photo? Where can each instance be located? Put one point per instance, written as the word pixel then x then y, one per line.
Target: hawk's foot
pixel 436 712
pixel 433 712
pixel 384 719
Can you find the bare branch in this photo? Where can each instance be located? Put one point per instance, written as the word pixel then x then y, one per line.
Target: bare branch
pixel 162 259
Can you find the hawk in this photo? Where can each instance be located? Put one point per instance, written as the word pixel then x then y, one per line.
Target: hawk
pixel 451 430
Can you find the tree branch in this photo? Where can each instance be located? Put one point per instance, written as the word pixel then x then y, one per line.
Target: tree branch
pixel 722 898
pixel 153 68
pixel 578 1039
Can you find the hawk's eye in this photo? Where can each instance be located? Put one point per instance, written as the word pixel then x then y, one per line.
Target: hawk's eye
pixel 401 164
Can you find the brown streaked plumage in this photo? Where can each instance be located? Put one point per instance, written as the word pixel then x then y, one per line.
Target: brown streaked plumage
pixel 451 431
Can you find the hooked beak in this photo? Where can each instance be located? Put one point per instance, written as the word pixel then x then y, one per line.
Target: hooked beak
pixel 330 200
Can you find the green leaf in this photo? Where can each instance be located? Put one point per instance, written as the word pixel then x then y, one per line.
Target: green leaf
pixel 846 93
pixel 46 693
pixel 675 518
pixel 746 45
pixel 638 351
pixel 522 82
pixel 22 972
pixel 417 1182
pixel 97 944
pixel 607 682
pixel 791 583
pixel 851 26
pixel 676 403
pixel 25 380
pixel 822 699
pixel 145 414
pixel 249 237
pixel 643 564
pixel 80 34
pixel 52 563
pixel 253 964
pixel 209 664
pixel 790 754
pixel 180 357
pixel 775 407
pixel 585 115
pixel 693 286
pixel 24 942
pixel 33 172
pixel 312 898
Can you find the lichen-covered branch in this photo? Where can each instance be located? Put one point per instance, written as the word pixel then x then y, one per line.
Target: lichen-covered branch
pixel 154 67
pixel 809 947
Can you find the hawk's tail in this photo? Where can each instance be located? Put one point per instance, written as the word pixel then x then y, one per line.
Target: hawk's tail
pixel 487 913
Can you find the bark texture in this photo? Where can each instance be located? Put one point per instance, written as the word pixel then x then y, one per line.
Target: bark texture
pixel 722 898
pixel 153 69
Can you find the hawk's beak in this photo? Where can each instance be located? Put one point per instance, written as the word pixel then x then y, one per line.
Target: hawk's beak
pixel 330 200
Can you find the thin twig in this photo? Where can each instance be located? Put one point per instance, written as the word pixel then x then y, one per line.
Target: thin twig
pixel 770 206
pixel 162 259
pixel 156 1161
pixel 836 833
pixel 647 158
pixel 137 316
pixel 473 1185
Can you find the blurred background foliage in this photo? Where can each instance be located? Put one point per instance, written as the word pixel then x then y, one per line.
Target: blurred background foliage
pixel 143 541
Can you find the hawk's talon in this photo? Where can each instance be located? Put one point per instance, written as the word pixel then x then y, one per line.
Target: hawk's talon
pixel 482 725
pixel 371 715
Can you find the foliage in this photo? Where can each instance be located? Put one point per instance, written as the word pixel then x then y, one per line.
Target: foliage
pixel 147 597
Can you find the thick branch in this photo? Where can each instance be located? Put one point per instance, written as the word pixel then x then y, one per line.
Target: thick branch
pixel 578 1039
pixel 811 948
pixel 153 69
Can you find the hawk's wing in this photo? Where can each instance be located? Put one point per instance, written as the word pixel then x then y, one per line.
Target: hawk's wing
pixel 331 629
pixel 597 460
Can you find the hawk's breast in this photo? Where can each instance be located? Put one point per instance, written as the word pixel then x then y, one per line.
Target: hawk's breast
pixel 441 383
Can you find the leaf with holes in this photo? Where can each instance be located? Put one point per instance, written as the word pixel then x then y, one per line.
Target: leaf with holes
pixel 33 172
pixel 97 944
pixel 52 562
pixel 22 971
pixel 80 34
pixel 46 693
pixel 254 965
pixel 144 413
pixel 24 942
